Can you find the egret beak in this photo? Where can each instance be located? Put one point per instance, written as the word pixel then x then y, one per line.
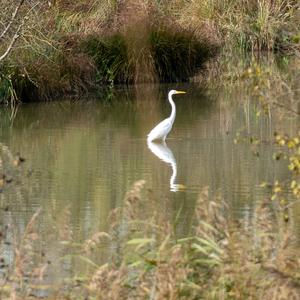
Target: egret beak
pixel 178 188
pixel 180 92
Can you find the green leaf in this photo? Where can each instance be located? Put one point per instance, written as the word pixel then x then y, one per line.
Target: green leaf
pixel 140 241
pixel 135 264
pixel 213 229
pixel 208 262
pixel 83 258
pixel 210 243
pixel 200 249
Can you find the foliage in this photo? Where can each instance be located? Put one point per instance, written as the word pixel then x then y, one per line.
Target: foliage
pixel 111 58
pixel 107 41
pixel 290 151
pixel 220 259
pixel 178 55
pixel 248 25
pixel 270 81
pixel 175 56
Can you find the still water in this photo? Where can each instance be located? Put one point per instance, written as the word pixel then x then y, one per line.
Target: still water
pixel 84 155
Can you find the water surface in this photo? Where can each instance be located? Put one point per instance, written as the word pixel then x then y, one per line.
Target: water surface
pixel 82 156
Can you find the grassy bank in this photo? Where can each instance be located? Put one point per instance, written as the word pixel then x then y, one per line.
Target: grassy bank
pixel 80 46
pixel 68 48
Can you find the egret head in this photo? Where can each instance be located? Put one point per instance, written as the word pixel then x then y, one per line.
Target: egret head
pixel 174 92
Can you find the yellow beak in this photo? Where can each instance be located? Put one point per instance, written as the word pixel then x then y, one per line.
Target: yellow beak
pixel 180 92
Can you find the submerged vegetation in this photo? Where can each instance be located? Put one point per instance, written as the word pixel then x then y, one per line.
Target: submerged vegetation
pixel 58 48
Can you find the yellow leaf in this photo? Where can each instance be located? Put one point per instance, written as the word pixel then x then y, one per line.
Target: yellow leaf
pixel 281 142
pixel 291 144
pixel 277 189
pixel 263 184
pixel 293 184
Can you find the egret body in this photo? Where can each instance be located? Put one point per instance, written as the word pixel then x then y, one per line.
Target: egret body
pixel 162 129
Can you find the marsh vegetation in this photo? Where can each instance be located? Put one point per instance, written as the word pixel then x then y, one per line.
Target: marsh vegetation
pixel 86 210
pixel 232 234
pixel 62 48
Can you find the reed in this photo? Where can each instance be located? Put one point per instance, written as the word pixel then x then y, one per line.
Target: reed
pixel 221 258
pixel 248 25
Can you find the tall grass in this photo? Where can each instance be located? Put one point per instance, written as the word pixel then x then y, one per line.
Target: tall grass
pixel 248 25
pixel 178 55
pixel 220 258
pixel 168 57
pixel 84 44
pixel 71 47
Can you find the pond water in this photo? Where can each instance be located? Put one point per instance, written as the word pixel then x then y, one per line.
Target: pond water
pixel 83 156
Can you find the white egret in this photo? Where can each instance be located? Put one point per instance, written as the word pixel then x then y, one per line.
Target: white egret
pixel 161 130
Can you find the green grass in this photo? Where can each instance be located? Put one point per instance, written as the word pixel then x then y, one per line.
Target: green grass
pixel 110 56
pixel 250 25
pixel 178 55
pixel 175 56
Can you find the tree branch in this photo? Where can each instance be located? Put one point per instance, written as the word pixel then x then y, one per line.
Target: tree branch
pixel 13 40
pixel 17 32
pixel 15 13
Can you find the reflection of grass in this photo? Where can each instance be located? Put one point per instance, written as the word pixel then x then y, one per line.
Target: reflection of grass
pixel 270 81
pixel 220 259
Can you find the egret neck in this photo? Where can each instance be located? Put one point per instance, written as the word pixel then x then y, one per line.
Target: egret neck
pixel 173 113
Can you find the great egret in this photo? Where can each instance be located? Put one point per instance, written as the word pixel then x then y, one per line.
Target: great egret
pixel 161 130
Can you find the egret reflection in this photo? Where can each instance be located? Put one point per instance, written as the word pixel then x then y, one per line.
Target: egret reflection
pixel 163 152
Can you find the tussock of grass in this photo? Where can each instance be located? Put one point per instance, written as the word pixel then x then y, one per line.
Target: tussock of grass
pixel 110 57
pixel 174 56
pixel 178 55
